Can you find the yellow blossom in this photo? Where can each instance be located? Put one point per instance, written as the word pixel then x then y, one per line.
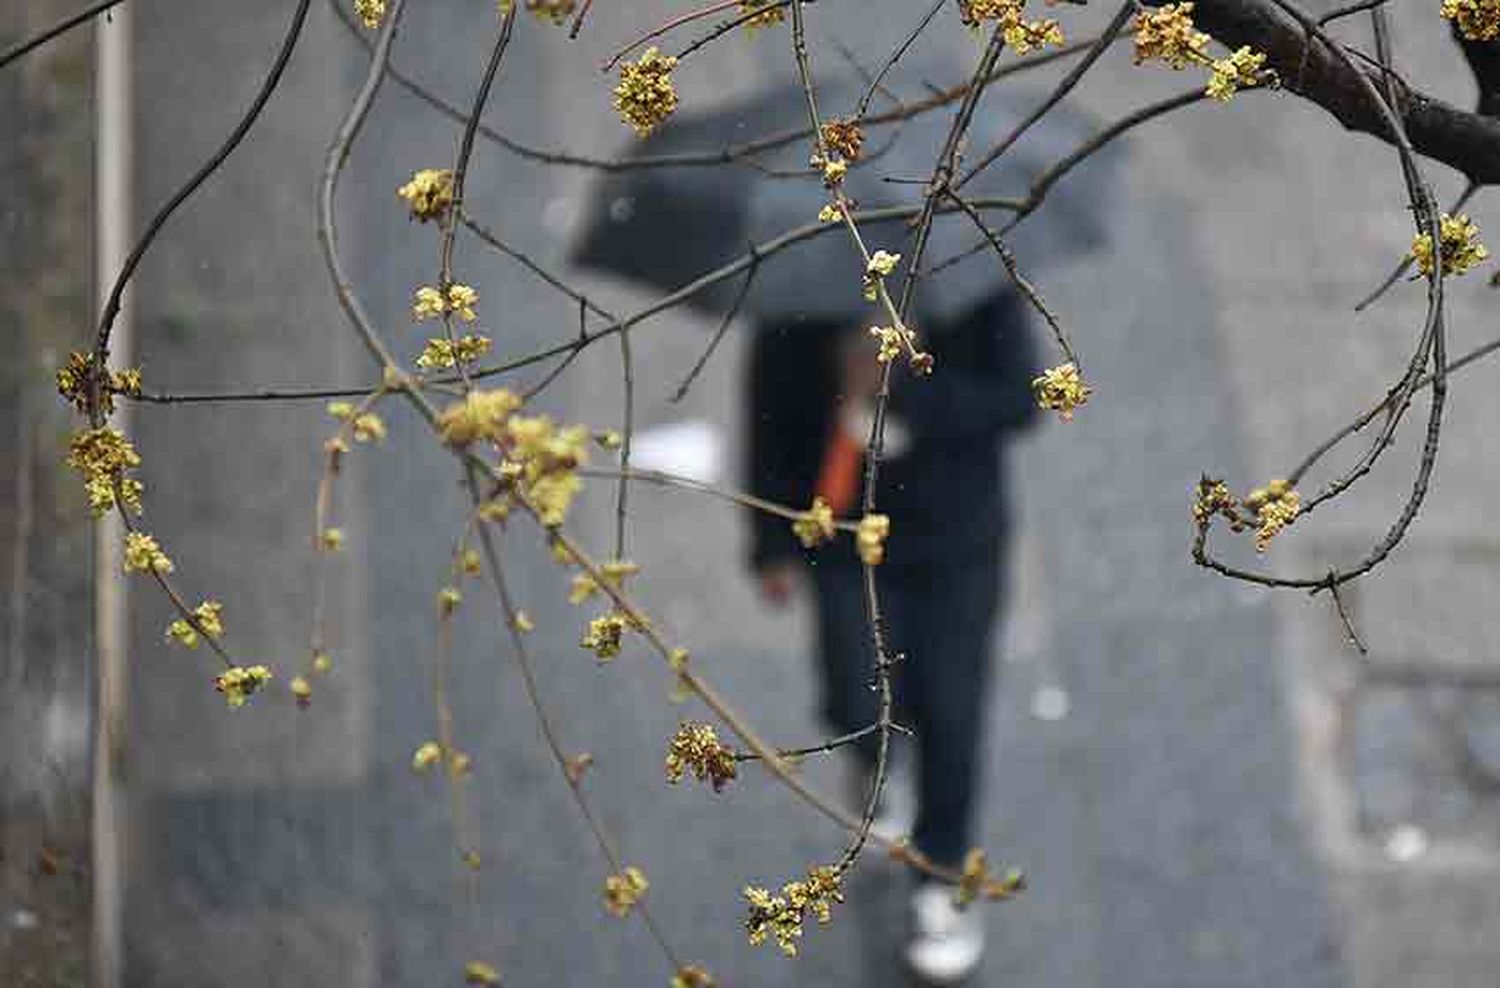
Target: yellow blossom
pixel 102 456
pixel 1020 34
pixel 645 95
pixel 239 683
pixel 843 136
pixel 892 341
pixel 301 690
pixel 834 170
pixel 605 635
pixel 1461 247
pixel 76 376
pixel 428 754
pixel 331 539
pixel 523 622
pixel 341 410
pixel 1477 20
pixel 322 663
pixel 441 352
pixel 459 300
pixel 829 214
pixel 1213 498
pixel 470 563
pixel 1239 71
pixel 880 265
pixel 1062 389
pixel 368 428
pixel 870 538
pixel 976 880
pixel 142 554
pixel 480 415
pixel 696 748
pixel 767 13
pixel 782 915
pixel 429 194
pixel 623 890
pixel 448 600
pixel 816 525
pixel 1276 506
pixel 1168 34
pixel 608 439
pixel 459 764
pixel 372 12
pixel 207 618
pixel 692 976
pixel 556 11
pixel 480 974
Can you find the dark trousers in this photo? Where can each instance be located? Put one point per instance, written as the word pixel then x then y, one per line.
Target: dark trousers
pixel 939 617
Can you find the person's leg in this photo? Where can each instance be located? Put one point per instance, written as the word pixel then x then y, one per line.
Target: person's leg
pixel 846 653
pixel 950 612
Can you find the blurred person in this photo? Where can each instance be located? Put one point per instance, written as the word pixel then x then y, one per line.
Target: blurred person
pixel 811 390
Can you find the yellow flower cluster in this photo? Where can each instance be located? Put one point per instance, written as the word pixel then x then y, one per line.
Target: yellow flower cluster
pixel 1240 70
pixel 976 880
pixel 1213 498
pixel 645 95
pixel 830 213
pixel 368 427
pixel 816 526
pixel 1061 389
pixel 767 13
pixel 622 891
pixel 239 683
pixel 75 377
pixel 1477 20
pixel 1021 35
pixel 880 265
pixel 692 976
pixel 102 456
pixel 1461 247
pixel 605 635
pixel 372 12
pixel 429 303
pixel 428 754
pixel 614 572
pixel 1276 506
pixel 440 352
pixel 870 536
pixel 481 415
pixel 1168 34
pixel 208 618
pixel 429 194
pixel 696 748
pixel 892 341
pixel 844 137
pixel 480 974
pixel 542 463
pixel 142 555
pixel 556 11
pixel 782 915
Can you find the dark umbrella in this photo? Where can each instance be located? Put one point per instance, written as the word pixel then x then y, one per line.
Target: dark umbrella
pixel 665 226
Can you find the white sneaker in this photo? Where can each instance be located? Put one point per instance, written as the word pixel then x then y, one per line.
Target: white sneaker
pixel 946 941
pixel 896 813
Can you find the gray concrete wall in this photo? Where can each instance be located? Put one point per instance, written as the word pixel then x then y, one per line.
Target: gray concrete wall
pixel 44 536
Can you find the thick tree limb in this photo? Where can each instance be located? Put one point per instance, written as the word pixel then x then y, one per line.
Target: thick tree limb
pixel 1467 141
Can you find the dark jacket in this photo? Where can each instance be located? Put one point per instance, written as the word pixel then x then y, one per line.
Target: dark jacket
pixel 946 494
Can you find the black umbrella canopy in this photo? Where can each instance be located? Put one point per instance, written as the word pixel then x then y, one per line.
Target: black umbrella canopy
pixel 665 226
